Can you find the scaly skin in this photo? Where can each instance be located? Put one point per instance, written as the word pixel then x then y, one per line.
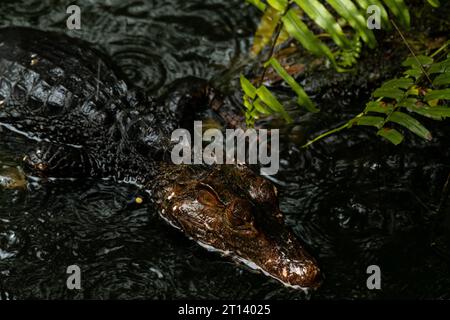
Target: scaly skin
pixel 232 210
pixel 60 91
pixel 88 123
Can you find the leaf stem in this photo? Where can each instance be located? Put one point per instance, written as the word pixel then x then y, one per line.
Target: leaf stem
pixel 325 134
pixel 412 52
pixel 443 47
pixel 272 48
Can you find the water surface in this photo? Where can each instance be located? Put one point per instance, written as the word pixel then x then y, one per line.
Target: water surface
pixel 354 199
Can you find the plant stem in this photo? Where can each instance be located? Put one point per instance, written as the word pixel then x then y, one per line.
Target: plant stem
pixel 272 49
pixel 412 51
pixel 323 135
pixel 443 47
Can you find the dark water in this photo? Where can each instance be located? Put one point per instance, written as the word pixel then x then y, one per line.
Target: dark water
pixel 353 198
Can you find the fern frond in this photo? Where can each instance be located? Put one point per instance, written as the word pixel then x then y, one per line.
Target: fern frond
pixel 283 19
pixel 352 12
pixel 402 101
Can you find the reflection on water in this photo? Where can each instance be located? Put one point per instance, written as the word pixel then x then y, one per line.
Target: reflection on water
pixel 354 199
pixel 154 42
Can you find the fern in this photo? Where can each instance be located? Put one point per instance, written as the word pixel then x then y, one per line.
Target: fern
pixel 352 14
pixel 282 20
pixel 423 91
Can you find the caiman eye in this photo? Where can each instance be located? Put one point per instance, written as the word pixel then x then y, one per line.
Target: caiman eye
pixel 236 221
pixel 208 197
pixel 239 215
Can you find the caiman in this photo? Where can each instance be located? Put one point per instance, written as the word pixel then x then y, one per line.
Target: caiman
pixel 82 120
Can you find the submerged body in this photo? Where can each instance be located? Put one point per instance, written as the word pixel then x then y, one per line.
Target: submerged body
pixel 83 121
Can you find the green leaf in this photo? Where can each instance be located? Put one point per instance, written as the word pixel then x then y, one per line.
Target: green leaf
pixel 300 31
pixel 258 3
pixel 415 73
pixel 442 79
pixel 436 113
pixel 370 121
pixel 378 107
pixel 392 88
pixel 403 83
pixel 248 87
pixel 443 94
pixel 247 103
pixel 303 99
pixel 400 11
pixel 260 107
pixel 410 123
pixel 271 101
pixel 349 57
pixel 434 3
pixel 317 12
pixel 407 103
pixel 279 5
pixel 440 67
pixel 417 61
pixel 264 32
pixel 392 93
pixel 347 10
pixel 391 134
pixel 254 114
pixel 413 91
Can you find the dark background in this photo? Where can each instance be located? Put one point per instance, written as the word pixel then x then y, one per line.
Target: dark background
pixel 355 199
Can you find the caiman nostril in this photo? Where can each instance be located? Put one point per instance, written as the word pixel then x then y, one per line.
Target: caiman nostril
pixel 313 277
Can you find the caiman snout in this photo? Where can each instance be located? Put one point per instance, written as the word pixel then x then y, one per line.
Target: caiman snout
pixel 270 246
pixel 232 210
pixel 292 265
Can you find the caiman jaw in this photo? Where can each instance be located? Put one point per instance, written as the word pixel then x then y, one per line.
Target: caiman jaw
pixel 211 206
pixel 288 263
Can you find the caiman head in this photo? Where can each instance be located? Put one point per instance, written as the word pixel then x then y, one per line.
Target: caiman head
pixel 230 209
